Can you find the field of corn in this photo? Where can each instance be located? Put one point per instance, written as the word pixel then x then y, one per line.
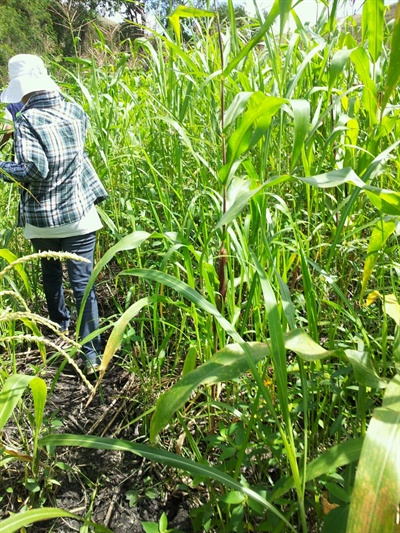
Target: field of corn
pixel 249 266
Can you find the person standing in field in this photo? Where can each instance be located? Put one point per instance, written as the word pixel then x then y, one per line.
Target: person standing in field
pixel 59 190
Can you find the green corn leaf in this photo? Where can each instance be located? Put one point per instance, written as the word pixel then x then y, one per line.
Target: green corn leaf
pixel 39 393
pixel 360 59
pixel 227 364
pixel 294 83
pixel 375 497
pixel 328 462
pixel 387 202
pixel 12 391
pixel 164 457
pixel 186 12
pixel 237 106
pixel 20 520
pixel 372 26
pixel 255 123
pixel 238 195
pixel 364 369
pixel 392 307
pixel 278 350
pixel 301 114
pixel 129 242
pixel 379 236
pixel 393 74
pixel 284 9
pixel 10 258
pixel 272 15
pixel 334 178
pixel 339 60
pixel 115 339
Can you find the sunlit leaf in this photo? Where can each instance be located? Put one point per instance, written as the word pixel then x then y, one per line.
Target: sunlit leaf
pixel 379 236
pixel 10 258
pixel 301 114
pixel 392 307
pixel 12 391
pixel 375 497
pixel 328 462
pixel 227 364
pixel 252 43
pixel 159 455
pixel 186 12
pixel 372 26
pixel 254 124
pixel 393 75
pixel 129 242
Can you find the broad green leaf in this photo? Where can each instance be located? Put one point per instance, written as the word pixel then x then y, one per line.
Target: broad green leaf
pixel 190 360
pixel 391 399
pixel 392 307
pixel 278 350
pixel 10 258
pixel 294 83
pixel 227 364
pixel 254 124
pixel 164 457
pixel 301 114
pixel 186 12
pixel 20 520
pixel 39 393
pixel 393 74
pixel 387 202
pixel 372 26
pixel 364 369
pixel 270 19
pixel 334 178
pixel 129 242
pixel 338 63
pixel 238 195
pixel 12 391
pixel 116 337
pixel 379 236
pixel 284 9
pixel 328 462
pixel 303 345
pixel 375 497
pixel 237 106
pixel 359 58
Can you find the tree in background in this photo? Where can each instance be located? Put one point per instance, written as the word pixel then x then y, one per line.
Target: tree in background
pixel 25 27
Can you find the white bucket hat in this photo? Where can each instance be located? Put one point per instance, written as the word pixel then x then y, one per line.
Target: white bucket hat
pixel 27 75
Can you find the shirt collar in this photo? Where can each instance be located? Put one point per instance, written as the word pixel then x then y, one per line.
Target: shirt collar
pixel 44 99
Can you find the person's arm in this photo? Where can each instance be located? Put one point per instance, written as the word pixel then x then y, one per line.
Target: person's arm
pixel 32 164
pixel 7 129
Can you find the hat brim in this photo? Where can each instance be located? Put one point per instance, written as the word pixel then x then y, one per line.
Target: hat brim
pixel 23 85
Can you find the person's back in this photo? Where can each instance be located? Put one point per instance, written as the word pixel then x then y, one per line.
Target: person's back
pixel 50 135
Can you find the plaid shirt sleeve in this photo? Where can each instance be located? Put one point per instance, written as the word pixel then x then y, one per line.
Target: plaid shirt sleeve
pixel 34 164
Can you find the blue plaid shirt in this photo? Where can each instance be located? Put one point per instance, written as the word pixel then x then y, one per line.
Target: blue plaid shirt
pixel 58 183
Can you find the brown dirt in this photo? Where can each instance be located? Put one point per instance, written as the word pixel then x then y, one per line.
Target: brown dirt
pixel 90 481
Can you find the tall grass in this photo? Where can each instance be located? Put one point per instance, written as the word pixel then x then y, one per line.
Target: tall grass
pixel 251 178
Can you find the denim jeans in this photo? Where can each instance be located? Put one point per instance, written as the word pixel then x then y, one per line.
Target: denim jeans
pixel 79 274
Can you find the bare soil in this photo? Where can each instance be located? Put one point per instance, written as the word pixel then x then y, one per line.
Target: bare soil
pixel 116 489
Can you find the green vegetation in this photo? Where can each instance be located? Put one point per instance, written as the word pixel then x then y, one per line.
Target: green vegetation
pixel 251 243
